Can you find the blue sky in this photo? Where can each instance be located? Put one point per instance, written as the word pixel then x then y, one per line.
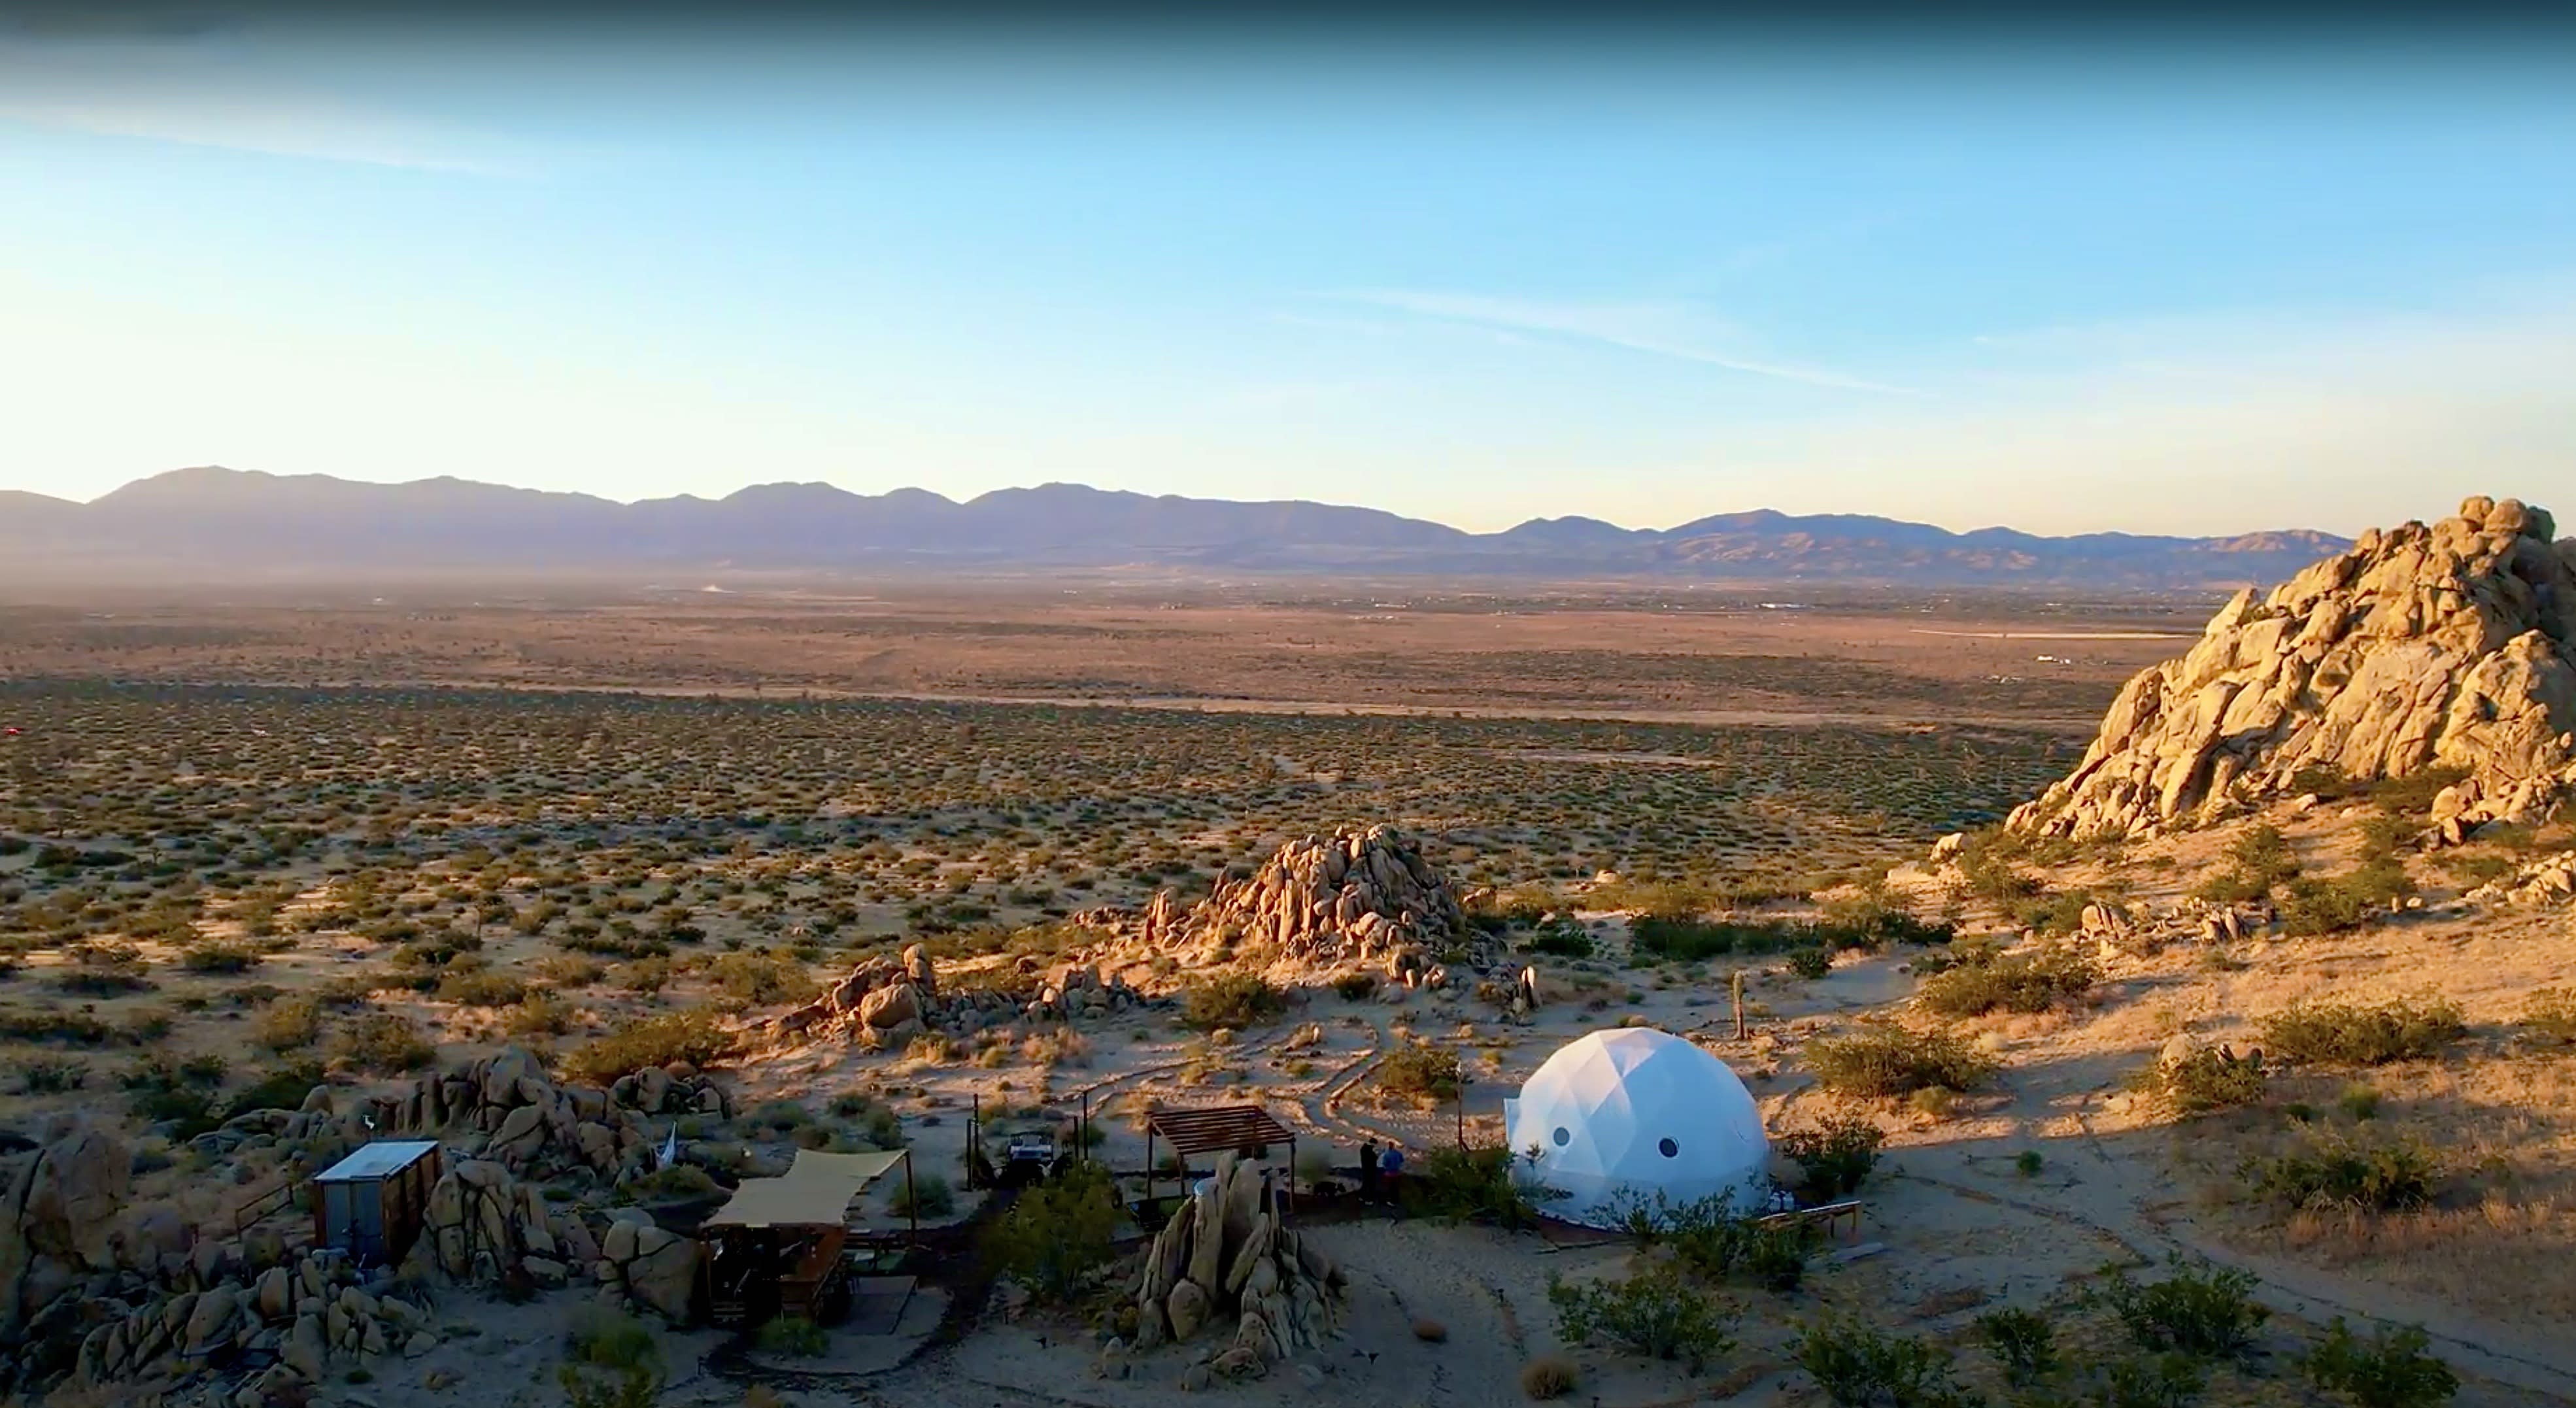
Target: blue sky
pixel 2185 289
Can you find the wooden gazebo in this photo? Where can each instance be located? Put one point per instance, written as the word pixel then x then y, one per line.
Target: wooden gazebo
pixel 1215 1129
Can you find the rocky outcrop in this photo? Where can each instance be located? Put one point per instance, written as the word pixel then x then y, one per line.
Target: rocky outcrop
pixel 654 1268
pixel 884 1003
pixel 505 1108
pixel 281 1330
pixel 2550 879
pixel 1224 1263
pixel 1355 897
pixel 2450 646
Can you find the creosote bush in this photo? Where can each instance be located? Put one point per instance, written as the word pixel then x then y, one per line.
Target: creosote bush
pixel 1656 1312
pixel 384 1043
pixel 2032 981
pixel 2203 1310
pixel 2339 1034
pixel 2206 1080
pixel 1833 1157
pixel 793 1335
pixel 1234 1001
pixel 1549 1376
pixel 1883 1060
pixel 2389 1370
pixel 2338 1171
pixel 1859 1367
pixel 695 1037
pixel 1058 1232
pixel 2023 1343
pixel 1417 1070
pixel 2314 907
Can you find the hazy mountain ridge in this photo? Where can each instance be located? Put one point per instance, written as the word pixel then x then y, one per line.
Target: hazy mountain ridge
pixel 212 519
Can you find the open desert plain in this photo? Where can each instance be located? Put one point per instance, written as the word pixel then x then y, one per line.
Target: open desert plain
pixel 2150 999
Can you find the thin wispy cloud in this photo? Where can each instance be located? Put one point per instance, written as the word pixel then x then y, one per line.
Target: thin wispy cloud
pixel 1658 329
pixel 184 92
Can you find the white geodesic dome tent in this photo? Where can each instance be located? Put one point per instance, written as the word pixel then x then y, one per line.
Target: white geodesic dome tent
pixel 1633 1113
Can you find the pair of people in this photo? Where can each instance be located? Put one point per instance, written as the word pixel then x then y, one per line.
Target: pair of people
pixel 1379 1171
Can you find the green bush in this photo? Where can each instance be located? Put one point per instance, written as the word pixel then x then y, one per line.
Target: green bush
pixel 2259 859
pixel 288 1024
pixel 695 1037
pixel 2173 1380
pixel 1234 1001
pixel 480 987
pixel 758 979
pixel 1657 1313
pixel 220 959
pixel 280 1089
pixel 930 1196
pixel 608 1339
pixel 2340 1034
pixel 1468 1185
pixel 2340 1172
pixel 1417 1070
pixel 1811 963
pixel 2209 1079
pixel 1858 1367
pixel 1355 987
pixel 2023 1343
pixel 793 1335
pixel 384 1043
pixel 1057 1233
pixel 2388 1370
pixel 2032 981
pixel 2203 1310
pixel 673 1182
pixel 1882 1059
pixel 2313 907
pixel 1833 1157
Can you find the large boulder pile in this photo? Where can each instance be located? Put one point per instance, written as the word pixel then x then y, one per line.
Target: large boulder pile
pixel 2452 646
pixel 1355 897
pixel 275 1335
pixel 1224 1265
pixel 505 1108
pixel 647 1266
pixel 2549 879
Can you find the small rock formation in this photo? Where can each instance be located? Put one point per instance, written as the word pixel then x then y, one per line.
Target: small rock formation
pixel 2550 879
pixel 1223 1263
pixel 2447 646
pixel 1359 897
pixel 507 1109
pixel 654 1267
pixel 886 1002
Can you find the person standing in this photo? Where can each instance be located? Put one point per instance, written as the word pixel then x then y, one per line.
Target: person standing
pixel 1390 1169
pixel 1368 1171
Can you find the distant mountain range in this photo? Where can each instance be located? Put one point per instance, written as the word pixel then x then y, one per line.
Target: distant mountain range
pixel 218 522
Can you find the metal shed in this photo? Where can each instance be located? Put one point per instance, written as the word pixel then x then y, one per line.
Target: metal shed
pixel 371 1203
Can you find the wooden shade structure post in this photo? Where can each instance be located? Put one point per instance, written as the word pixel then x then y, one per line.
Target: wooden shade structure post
pixel 1211 1129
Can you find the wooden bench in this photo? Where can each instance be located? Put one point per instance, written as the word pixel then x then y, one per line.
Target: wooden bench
pixel 1830 1216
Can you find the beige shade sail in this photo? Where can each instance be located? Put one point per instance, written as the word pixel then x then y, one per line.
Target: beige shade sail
pixel 815 1192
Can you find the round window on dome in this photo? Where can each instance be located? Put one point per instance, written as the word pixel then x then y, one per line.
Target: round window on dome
pixel 1563 1136
pixel 1669 1149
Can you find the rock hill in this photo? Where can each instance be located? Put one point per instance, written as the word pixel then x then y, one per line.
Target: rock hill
pixel 2449 646
pixel 1361 897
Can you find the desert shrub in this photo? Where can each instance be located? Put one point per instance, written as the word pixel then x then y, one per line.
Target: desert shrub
pixel 2389 1370
pixel 1833 1157
pixel 288 1024
pixel 609 1339
pixel 1549 1376
pixel 2312 907
pixel 1656 1312
pixel 281 1089
pixel 1566 940
pixel 2031 981
pixel 2208 1080
pixel 2345 1035
pixel 2337 1171
pixel 1355 987
pixel 42 1076
pixel 480 987
pixel 639 1387
pixel 676 1182
pixel 538 1014
pixel 1468 1185
pixel 793 1335
pixel 1858 1367
pixel 695 1037
pixel 757 979
pixel 1882 1059
pixel 1811 963
pixel 1234 1001
pixel 2414 793
pixel 2172 1380
pixel 2023 1343
pixel 382 1042
pixel 1725 1247
pixel 2550 1014
pixel 2203 1310
pixel 928 1196
pixel 1058 1232
pixel 1417 1070
pixel 220 959
pixel 2258 860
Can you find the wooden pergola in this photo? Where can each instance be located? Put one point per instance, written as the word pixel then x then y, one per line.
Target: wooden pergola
pixel 1216 1129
